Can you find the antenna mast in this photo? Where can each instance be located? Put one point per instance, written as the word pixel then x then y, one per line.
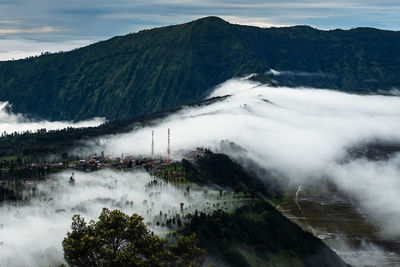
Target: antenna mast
pixel 169 147
pixel 152 146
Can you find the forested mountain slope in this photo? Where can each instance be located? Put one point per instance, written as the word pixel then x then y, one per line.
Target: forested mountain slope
pixel 166 67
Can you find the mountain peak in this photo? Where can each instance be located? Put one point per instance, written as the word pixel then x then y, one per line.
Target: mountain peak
pixel 170 66
pixel 211 20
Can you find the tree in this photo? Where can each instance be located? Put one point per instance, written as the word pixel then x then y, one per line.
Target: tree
pixel 117 239
pixel 188 252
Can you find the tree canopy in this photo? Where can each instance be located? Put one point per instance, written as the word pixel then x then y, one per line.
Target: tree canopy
pixel 117 239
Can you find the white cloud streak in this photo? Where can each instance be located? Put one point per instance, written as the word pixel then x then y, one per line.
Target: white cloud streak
pixel 32 30
pixel 257 22
pixel 20 48
pixel 10 122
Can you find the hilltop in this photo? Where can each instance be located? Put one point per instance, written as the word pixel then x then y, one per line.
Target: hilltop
pixel 165 67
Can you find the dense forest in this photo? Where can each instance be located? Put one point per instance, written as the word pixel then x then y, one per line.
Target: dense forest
pixel 258 235
pixel 165 67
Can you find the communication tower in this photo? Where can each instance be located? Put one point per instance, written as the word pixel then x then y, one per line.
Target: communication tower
pixel 169 147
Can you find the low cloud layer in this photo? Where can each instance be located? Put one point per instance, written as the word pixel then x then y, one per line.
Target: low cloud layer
pixel 299 73
pixel 10 122
pixel 301 134
pixel 31 234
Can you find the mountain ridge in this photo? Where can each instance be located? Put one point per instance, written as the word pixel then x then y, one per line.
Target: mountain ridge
pixel 169 66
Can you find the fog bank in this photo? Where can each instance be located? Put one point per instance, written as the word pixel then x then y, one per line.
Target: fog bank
pixel 301 134
pixel 10 122
pixel 31 234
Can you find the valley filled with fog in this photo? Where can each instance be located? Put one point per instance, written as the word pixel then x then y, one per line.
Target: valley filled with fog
pixel 302 135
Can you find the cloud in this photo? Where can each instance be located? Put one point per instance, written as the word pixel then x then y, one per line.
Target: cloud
pixel 298 73
pixel 300 134
pixel 88 18
pixel 376 186
pixel 258 22
pixel 10 22
pixel 367 254
pixel 20 48
pixel 32 30
pixel 31 234
pixel 10 122
pixel 97 20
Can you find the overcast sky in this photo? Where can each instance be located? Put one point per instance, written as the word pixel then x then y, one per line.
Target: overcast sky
pixel 28 27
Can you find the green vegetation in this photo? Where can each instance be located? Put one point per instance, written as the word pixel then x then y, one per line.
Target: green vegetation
pixel 247 233
pixel 219 169
pixel 37 145
pixel 117 239
pixel 253 235
pixel 166 67
pixel 258 235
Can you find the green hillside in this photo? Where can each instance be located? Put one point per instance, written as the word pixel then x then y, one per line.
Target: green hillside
pixel 258 235
pixel 166 67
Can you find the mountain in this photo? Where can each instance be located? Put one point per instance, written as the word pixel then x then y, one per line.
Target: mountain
pixel 165 67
